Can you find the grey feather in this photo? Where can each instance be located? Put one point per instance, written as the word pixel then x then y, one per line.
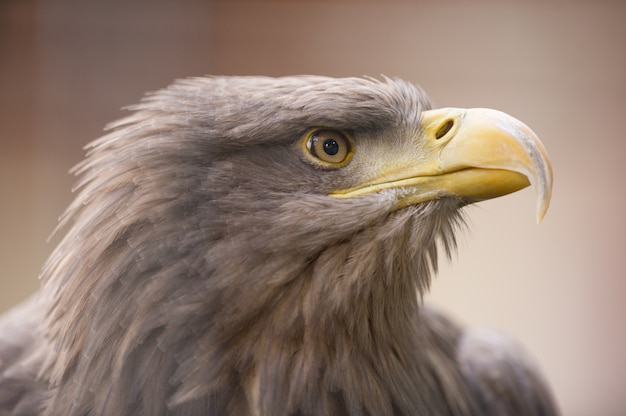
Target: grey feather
pixel 502 376
pixel 206 271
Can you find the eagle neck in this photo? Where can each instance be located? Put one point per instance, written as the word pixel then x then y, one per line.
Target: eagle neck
pixel 348 325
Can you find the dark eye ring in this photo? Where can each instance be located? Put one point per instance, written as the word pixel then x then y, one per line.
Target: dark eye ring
pixel 330 147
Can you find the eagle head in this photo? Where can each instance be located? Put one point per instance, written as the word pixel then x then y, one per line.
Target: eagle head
pixel 251 245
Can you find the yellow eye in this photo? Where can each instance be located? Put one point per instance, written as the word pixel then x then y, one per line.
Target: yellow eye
pixel 330 147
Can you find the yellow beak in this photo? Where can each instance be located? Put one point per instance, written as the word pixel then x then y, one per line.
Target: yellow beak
pixel 473 154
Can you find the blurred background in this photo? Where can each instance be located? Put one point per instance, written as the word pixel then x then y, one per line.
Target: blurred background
pixel 67 67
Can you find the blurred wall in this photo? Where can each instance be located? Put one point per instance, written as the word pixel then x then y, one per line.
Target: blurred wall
pixel 67 67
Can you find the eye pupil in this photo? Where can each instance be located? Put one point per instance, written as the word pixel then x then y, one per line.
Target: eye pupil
pixel 331 147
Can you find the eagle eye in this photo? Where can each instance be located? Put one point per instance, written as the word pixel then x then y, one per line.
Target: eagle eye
pixel 330 147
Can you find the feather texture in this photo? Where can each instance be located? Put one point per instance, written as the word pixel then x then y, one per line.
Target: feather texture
pixel 206 271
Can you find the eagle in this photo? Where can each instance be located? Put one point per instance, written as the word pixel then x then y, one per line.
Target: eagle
pixel 243 245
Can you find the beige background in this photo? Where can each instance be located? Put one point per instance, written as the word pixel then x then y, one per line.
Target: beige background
pixel 66 67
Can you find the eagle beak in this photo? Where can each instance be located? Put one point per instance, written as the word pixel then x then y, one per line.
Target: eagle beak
pixel 473 154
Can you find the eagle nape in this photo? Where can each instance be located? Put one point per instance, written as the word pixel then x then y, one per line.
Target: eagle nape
pixel 261 246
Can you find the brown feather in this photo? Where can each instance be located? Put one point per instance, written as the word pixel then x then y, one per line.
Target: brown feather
pixel 205 270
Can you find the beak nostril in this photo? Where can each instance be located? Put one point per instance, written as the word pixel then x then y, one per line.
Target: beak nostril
pixel 444 129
